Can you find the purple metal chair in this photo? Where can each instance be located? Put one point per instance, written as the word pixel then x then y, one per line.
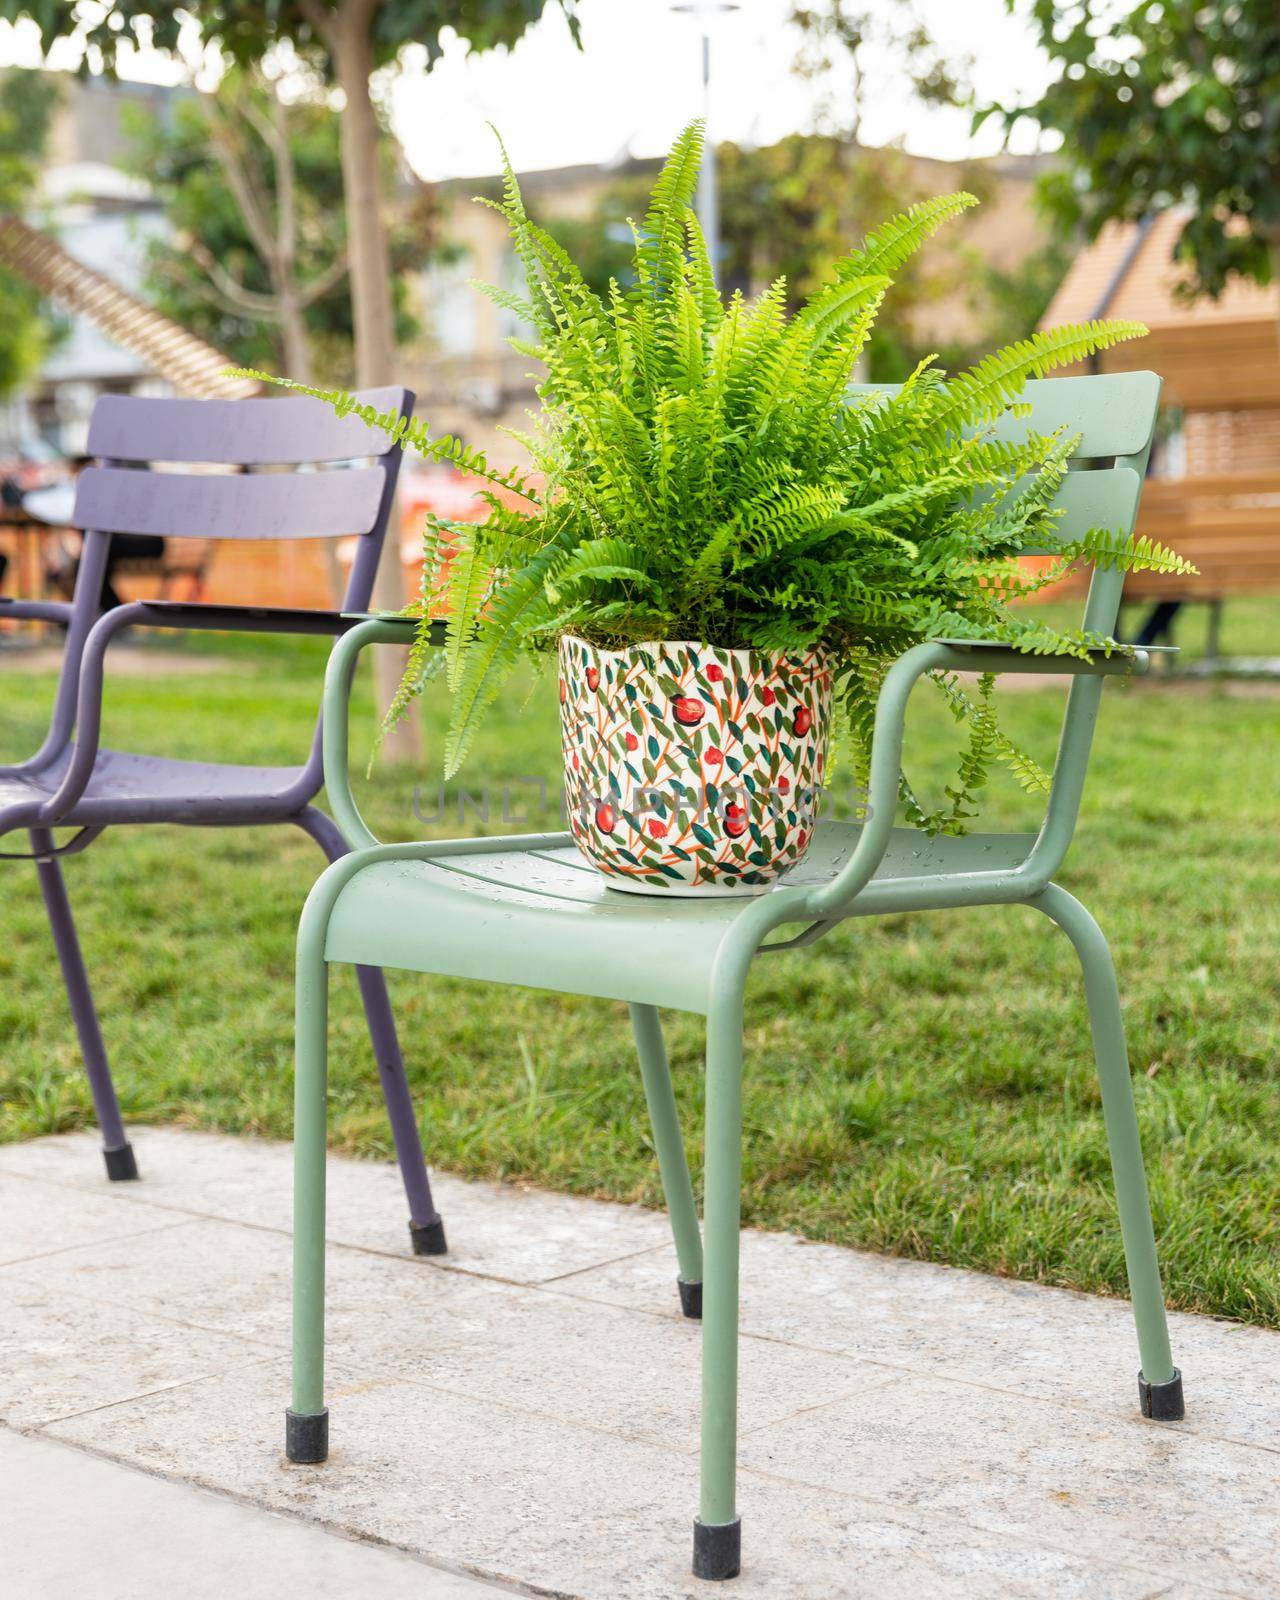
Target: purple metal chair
pixel 71 782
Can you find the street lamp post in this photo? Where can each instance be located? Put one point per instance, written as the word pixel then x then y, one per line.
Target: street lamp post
pixel 708 207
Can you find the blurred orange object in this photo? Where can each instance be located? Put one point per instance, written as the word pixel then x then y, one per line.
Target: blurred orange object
pixel 443 492
pixel 451 495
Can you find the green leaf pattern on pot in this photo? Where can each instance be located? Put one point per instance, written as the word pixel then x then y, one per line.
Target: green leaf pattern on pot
pixel 698 769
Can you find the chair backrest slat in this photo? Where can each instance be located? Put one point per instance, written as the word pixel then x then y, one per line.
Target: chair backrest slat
pixel 243 433
pixel 1106 498
pixel 294 431
pixel 1113 417
pixel 275 505
pixel 1114 412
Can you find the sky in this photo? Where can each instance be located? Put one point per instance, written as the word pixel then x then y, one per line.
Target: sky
pixel 637 80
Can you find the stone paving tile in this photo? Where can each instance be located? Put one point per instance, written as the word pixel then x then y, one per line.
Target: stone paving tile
pixel 61 1354
pixel 73 1524
pixel 639 1375
pixel 1130 1493
pixel 544 1434
pixel 1052 1343
pixel 563 1509
pixel 39 1218
pixel 238 1280
pixel 636 1376
pixel 520 1235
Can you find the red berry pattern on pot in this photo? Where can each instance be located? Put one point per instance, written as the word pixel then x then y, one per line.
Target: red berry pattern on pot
pixel 691 769
pixel 687 710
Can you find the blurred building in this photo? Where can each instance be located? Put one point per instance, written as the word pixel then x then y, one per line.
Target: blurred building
pixel 1220 359
pixel 1215 488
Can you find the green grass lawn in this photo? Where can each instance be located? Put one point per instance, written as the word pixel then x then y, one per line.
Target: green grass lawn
pixel 917 1085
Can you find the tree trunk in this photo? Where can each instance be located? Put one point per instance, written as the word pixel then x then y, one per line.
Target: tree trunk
pixel 372 311
pixel 297 363
pixel 293 335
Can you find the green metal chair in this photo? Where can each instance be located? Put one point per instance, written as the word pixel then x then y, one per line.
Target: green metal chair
pixel 530 910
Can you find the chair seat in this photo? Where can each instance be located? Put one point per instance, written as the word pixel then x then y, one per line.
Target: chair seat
pixel 545 918
pixel 132 788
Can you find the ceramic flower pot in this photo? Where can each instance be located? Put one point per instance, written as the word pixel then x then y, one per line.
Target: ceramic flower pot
pixel 691 770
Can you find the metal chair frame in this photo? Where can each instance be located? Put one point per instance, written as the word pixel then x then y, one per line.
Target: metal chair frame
pixel 530 910
pixel 73 782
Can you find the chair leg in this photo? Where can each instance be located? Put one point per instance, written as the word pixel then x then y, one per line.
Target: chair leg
pixel 672 1162
pixel 718 1531
pixel 116 1149
pixel 1159 1381
pixel 307 1420
pixel 426 1228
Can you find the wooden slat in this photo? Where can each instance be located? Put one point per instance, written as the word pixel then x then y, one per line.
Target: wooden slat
pixel 284 431
pixel 1202 373
pixel 1236 547
pixel 294 505
pixel 1207 586
pixel 1210 545
pixel 1210 486
pixel 1264 520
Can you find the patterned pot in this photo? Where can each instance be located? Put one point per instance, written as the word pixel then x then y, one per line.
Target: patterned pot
pixel 691 770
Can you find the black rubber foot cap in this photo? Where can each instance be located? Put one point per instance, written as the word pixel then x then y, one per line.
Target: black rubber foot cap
pixel 121 1165
pixel 1162 1402
pixel 428 1238
pixel 306 1439
pixel 717 1549
pixel 690 1299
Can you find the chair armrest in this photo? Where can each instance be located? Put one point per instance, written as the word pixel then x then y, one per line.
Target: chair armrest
pixel 335 718
pixel 162 614
pixel 989 655
pixel 946 655
pixel 35 610
pixel 240 619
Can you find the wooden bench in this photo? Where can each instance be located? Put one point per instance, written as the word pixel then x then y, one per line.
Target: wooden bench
pixel 1228 525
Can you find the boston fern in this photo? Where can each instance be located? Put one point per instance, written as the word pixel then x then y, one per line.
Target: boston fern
pixel 700 472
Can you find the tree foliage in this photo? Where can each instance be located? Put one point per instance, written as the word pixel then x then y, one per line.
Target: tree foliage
pixel 1168 104
pixel 843 44
pixel 247 29
pixel 27 103
pixel 242 222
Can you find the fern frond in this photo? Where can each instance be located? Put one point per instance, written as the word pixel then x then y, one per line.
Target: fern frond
pixel 1126 552
pixel 982 393
pixel 660 256
pixel 885 250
